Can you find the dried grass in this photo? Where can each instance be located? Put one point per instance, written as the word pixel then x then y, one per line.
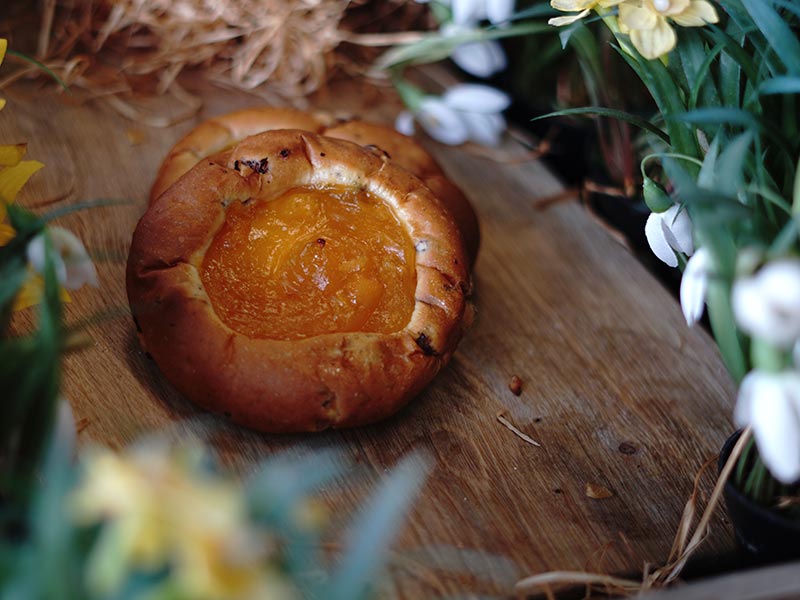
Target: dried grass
pixel 277 49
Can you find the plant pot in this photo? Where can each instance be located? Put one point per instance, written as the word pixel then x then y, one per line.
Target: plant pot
pixel 764 535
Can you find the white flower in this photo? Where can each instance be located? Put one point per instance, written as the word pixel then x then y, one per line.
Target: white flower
pixel 73 266
pixel 670 232
pixel 481 58
pixel 469 12
pixel 770 403
pixel 767 305
pixel 465 112
pixel 65 431
pixel 694 285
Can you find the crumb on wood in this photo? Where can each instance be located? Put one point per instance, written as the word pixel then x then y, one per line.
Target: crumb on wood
pixel 515 385
pixel 135 136
pixel 597 491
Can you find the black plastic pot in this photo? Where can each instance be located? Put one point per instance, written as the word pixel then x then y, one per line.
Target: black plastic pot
pixel 764 535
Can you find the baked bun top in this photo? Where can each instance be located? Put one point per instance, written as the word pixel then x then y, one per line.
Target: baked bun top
pixel 346 372
pixel 223 132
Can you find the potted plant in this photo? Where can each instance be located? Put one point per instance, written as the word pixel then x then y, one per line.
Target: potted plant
pixel 720 177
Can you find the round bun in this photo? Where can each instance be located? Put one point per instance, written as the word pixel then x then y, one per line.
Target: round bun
pixel 222 132
pixel 313 383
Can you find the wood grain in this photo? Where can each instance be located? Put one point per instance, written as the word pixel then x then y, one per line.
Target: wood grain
pixel 614 386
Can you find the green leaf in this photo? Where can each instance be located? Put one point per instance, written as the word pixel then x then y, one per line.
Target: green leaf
pixel 731 164
pixel 777 33
pixel 609 112
pixel 668 98
pixel 790 5
pixel 537 11
pixel 435 47
pixel 62 211
pixel 703 82
pixel 780 85
pixel 784 241
pixel 735 117
pixel 42 67
pixel 368 539
pixel 707 176
pixel 796 191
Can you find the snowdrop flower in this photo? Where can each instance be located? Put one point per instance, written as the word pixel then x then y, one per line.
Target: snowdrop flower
pixel 465 112
pixel 482 58
pixel 73 266
pixel 670 232
pixel 770 403
pixel 469 12
pixel 694 285
pixel 767 305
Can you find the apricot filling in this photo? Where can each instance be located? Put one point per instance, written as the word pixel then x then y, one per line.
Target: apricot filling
pixel 310 262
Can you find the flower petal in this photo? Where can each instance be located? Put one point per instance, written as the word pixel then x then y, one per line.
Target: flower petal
pixel 442 122
pixel 767 305
pixel 13 178
pixel 698 13
pixel 36 258
pixel 481 59
pixel 678 229
pixel 12 154
pixel 743 412
pixel 776 425
pixel 670 7
pixel 655 42
pixel 79 267
pixel 636 17
pixel 65 432
pixel 694 285
pixel 569 20
pixel 654 232
pixel 468 12
pixel 499 11
pixel 572 5
pixel 474 97
pixel 404 123
pixel 485 129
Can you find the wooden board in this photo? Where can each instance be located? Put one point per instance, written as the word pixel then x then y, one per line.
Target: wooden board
pixel 615 387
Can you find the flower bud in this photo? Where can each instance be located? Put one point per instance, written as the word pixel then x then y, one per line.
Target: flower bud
pixel 655 196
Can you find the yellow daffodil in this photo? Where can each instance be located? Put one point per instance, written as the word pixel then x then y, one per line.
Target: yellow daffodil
pixel 14 174
pixel 648 22
pixel 581 7
pixel 159 510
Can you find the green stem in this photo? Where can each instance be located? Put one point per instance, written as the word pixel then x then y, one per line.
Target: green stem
pixel 666 94
pixel 766 357
pixel 720 314
pixel 410 94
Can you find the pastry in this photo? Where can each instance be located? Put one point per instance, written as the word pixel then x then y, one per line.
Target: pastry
pixel 297 282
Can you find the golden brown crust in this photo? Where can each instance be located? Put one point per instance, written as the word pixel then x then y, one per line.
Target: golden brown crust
pixel 332 380
pixel 221 132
